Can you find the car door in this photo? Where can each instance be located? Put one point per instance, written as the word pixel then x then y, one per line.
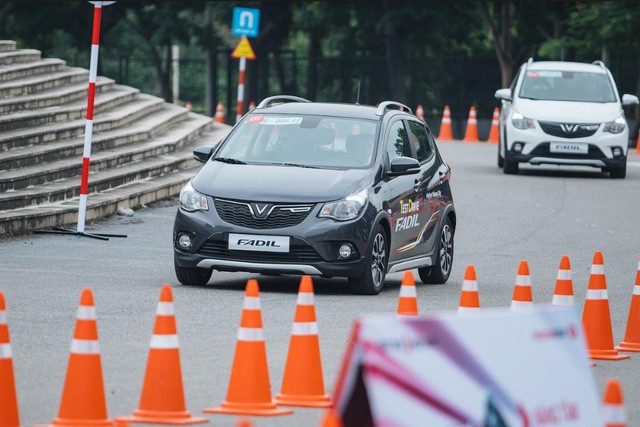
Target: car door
pixel 400 197
pixel 429 194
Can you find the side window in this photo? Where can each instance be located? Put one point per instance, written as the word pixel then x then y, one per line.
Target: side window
pixel 420 141
pixel 398 141
pixel 515 80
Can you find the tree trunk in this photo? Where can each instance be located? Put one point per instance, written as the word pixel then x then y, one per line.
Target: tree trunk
pixel 394 54
pixel 315 52
pixel 502 37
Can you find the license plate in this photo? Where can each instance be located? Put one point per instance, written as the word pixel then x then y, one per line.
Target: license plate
pixel 258 243
pixel 569 147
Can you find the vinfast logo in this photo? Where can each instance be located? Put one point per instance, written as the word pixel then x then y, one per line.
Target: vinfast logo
pixel 568 128
pixel 260 210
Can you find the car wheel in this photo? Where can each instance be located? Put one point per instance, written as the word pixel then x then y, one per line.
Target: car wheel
pixel 500 158
pixel 440 271
pixel 192 276
pixel 372 280
pixel 620 172
pixel 510 165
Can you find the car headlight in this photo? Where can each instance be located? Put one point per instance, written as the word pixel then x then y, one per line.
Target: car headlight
pixel 191 200
pixel 521 122
pixel 616 126
pixel 347 208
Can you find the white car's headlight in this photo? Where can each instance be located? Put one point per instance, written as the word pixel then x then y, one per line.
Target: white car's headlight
pixel 616 126
pixel 347 208
pixel 191 200
pixel 521 122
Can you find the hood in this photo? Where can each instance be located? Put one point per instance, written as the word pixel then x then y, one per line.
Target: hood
pixel 568 111
pixel 287 184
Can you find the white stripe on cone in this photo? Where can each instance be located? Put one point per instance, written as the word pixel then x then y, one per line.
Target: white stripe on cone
pixel 597 294
pixel 86 312
pixel 469 285
pixel 462 309
pixel 521 305
pixel 408 291
pixel 636 289
pixel 3 317
pixel 613 414
pixel 252 303
pixel 165 309
pixel 164 342
pixel 305 298
pixel 597 269
pixel 5 351
pixel 564 275
pixel 562 300
pixel 85 346
pixel 523 280
pixel 305 328
pixel 250 334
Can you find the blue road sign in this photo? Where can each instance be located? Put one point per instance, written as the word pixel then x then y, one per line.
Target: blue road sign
pixel 246 22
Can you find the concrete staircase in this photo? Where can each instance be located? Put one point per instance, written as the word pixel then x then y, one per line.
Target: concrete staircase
pixel 141 150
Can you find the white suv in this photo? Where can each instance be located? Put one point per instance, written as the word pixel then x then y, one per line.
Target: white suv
pixel 564 113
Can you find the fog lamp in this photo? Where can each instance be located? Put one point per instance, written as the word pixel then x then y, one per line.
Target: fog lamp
pixel 517 147
pixel 617 152
pixel 184 241
pixel 345 251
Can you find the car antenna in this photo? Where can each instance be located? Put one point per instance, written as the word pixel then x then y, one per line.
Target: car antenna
pixel 358 95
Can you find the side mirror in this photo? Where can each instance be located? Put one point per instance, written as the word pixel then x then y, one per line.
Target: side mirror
pixel 503 94
pixel 628 100
pixel 404 166
pixel 202 153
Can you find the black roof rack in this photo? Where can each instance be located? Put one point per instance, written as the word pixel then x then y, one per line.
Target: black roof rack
pixel 391 105
pixel 600 64
pixel 280 99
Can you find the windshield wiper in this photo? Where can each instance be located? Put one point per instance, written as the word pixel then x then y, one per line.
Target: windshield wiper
pixel 297 165
pixel 229 160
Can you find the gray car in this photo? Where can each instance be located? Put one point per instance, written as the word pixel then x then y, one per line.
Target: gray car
pixel 335 190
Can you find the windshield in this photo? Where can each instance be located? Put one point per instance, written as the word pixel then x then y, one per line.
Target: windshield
pixel 302 140
pixel 567 86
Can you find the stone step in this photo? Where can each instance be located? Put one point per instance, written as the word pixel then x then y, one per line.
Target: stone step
pixel 19 56
pixel 38 83
pixel 72 110
pixel 106 119
pixel 173 173
pixel 19 71
pixel 56 96
pixel 137 131
pixel 6 45
pixel 160 145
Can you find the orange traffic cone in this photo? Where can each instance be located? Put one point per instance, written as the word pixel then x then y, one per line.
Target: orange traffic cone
pixel 83 400
pixel 331 419
pixel 249 391
pixel 446 132
pixel 302 383
pixel 219 117
pixel 596 317
pixel 522 296
pixel 471 134
pixel 162 397
pixel 8 399
pixel 244 422
pixel 631 340
pixel 638 144
pixel 494 132
pixel 188 106
pixel 408 300
pixel 563 294
pixel 252 105
pixel 469 297
pixel 613 405
pixel 420 112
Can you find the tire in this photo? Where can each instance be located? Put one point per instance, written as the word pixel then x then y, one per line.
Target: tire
pixel 192 276
pixel 510 166
pixel 440 271
pixel 500 158
pixel 372 280
pixel 619 173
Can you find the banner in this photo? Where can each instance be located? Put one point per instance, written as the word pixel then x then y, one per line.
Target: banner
pixel 497 368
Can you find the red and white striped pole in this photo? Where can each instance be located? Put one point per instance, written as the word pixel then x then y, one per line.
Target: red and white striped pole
pixel 239 108
pixel 88 128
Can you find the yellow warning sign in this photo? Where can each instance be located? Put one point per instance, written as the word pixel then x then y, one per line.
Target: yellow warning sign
pixel 243 50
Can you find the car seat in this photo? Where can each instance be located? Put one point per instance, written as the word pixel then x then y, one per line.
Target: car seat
pixel 360 146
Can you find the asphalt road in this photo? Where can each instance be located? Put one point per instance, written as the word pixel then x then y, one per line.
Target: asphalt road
pixel 539 215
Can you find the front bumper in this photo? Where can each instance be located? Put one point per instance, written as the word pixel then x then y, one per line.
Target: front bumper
pixel 314 245
pixel 541 155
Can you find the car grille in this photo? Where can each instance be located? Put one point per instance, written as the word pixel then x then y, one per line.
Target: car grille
pixel 543 150
pixel 569 130
pixel 275 216
pixel 298 252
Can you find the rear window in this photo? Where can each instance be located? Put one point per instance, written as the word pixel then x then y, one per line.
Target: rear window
pixel 553 85
pixel 306 140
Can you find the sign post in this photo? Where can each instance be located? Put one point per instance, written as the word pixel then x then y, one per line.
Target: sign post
pixel 246 23
pixel 88 131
